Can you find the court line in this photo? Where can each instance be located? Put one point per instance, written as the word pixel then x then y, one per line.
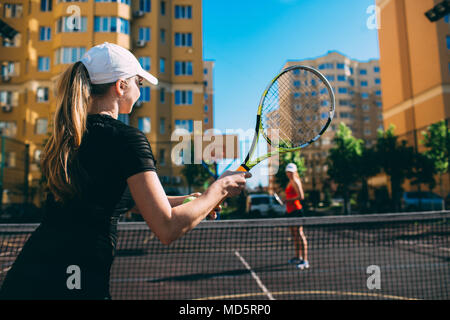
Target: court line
pixel 413 243
pixel 255 276
pixel 315 292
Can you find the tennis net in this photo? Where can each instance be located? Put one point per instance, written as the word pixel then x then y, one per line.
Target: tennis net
pixel 380 256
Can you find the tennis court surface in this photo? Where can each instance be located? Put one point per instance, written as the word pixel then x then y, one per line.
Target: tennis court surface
pixel 383 256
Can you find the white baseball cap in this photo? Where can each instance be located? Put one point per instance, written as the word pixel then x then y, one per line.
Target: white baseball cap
pixel 291 167
pixel 109 62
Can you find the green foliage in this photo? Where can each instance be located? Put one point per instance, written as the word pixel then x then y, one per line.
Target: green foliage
pixel 285 158
pixel 437 141
pixel 396 159
pixel 343 160
pixel 195 175
pixel 343 156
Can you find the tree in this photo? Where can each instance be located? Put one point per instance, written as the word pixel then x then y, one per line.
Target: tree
pixel 342 160
pixel 397 161
pixel 367 167
pixel 437 141
pixel 423 171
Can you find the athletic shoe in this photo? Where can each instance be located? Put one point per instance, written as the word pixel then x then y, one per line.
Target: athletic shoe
pixel 303 265
pixel 295 260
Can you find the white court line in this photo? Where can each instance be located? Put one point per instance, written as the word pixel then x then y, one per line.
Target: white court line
pixel 255 276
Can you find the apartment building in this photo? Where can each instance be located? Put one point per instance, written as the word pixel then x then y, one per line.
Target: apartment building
pixel 415 69
pixel 165 36
pixel 357 88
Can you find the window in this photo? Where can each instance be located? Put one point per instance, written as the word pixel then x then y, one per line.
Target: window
pixel 185 124
pixel 66 55
pixel 205 71
pixel 111 24
pixel 162 95
pixel 162 65
pixel 41 126
pixel 14 42
pixel 342 90
pixel 376 69
pixel 144 34
pixel 380 117
pixel 365 107
pixel 351 82
pixel 145 63
pixel 184 40
pixel 297 95
pixel 163 8
pixel 12 10
pixel 9 98
pixel 183 68
pixel 8 128
pixel 378 93
pixel 448 42
pixel 379 104
pixel 377 81
pixel 205 108
pixel 163 35
pixel 342 78
pixel 205 120
pixel 45 33
pixel 183 97
pixel 43 64
pixel 69 24
pixel 205 83
pixel 161 158
pixel 145 5
pixel 46 5
pixel 326 66
pixel 364 95
pixel 145 94
pixel 125 118
pixel 162 125
pixel 144 124
pixel 367 132
pixel 366 119
pixel 344 102
pixel 362 72
pixel 364 83
pixel 183 12
pixel 330 78
pixel 296 84
pixel 9 68
pixel 340 66
pixel 42 94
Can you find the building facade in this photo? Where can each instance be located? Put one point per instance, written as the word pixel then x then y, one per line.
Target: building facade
pixel 165 36
pixel 415 69
pixel 357 88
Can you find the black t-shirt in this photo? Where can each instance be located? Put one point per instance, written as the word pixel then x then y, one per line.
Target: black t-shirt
pixel 83 231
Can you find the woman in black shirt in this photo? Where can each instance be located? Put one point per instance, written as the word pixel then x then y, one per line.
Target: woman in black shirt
pixel 89 161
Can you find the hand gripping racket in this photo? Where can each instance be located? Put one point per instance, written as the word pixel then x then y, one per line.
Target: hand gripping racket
pixel 294 111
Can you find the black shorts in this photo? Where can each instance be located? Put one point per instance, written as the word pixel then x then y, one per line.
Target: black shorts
pixel 294 214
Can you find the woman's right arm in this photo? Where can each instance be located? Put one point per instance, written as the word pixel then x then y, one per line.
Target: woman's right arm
pixel 171 223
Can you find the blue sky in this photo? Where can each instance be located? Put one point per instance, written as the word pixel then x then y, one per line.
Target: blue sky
pixel 250 40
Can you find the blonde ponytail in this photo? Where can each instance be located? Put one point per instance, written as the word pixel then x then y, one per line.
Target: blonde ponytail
pixel 59 164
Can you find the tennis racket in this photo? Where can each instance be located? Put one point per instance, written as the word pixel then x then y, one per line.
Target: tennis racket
pixel 295 110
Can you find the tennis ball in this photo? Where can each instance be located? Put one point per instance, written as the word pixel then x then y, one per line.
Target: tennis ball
pixel 188 199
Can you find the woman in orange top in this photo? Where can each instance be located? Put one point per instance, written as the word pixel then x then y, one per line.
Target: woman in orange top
pixel 294 193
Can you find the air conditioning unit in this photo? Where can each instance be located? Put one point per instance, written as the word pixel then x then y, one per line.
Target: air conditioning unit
pixel 138 104
pixel 7 108
pixel 138 14
pixel 140 43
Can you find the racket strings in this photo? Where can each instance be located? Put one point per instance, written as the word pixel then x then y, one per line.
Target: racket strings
pixel 296 108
